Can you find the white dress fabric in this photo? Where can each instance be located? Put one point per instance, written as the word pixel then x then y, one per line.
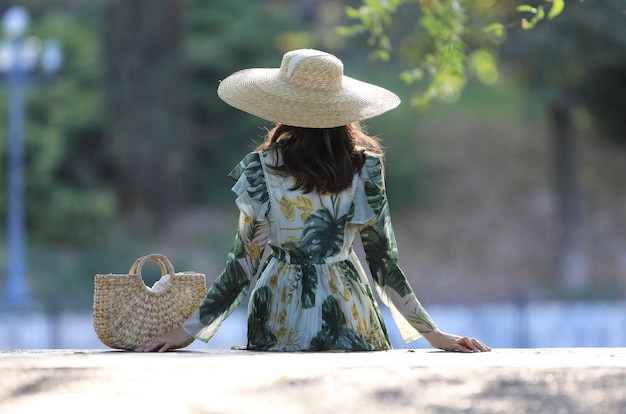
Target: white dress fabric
pixel 311 294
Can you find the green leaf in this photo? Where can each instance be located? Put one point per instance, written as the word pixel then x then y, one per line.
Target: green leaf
pixel 497 29
pixel 382 55
pixel 353 13
pixel 334 334
pixel 396 280
pixel 260 335
pixel 347 31
pixel 539 16
pixel 323 233
pixel 226 293
pixel 526 8
pixel 309 286
pixel 406 77
pixel 556 9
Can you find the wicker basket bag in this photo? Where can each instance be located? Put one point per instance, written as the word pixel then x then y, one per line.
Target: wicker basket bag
pixel 127 312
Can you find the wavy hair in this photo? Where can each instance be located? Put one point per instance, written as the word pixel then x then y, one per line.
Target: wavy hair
pixel 321 159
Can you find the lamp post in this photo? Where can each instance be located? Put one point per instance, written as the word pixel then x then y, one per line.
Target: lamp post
pixel 18 57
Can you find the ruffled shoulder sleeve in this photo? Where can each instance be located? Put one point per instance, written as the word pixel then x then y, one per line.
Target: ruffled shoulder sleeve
pixel 250 187
pixel 369 195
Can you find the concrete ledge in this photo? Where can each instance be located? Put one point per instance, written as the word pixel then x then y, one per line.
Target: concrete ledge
pixel 552 380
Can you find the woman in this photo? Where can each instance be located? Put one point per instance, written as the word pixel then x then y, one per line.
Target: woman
pixel 306 193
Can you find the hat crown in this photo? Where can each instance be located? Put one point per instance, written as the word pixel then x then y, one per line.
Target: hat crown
pixel 312 69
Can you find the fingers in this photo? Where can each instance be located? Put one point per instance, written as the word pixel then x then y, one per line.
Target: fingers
pixel 465 344
pixel 455 343
pixel 480 347
pixel 153 345
pixel 145 347
pixel 170 340
pixel 166 347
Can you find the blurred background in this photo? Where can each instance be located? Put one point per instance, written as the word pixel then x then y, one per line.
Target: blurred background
pixel 507 190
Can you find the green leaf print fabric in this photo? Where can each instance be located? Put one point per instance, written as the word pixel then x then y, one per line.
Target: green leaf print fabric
pixel 312 294
pixel 381 253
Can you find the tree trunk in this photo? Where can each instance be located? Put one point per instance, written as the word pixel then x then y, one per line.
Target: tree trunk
pixel 572 263
pixel 146 103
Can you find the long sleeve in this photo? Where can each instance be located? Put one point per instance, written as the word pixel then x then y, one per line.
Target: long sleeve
pixel 382 257
pixel 244 257
pixel 231 286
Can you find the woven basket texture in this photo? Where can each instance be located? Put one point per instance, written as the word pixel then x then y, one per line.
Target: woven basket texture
pixel 127 313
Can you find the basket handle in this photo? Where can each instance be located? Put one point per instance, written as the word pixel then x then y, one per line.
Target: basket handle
pixel 161 260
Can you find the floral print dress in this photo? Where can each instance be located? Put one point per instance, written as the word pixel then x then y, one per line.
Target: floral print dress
pixel 311 294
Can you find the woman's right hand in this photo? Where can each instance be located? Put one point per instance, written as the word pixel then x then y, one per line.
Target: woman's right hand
pixel 449 342
pixel 173 339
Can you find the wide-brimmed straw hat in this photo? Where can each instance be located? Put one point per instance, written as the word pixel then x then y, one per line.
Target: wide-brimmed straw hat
pixel 308 90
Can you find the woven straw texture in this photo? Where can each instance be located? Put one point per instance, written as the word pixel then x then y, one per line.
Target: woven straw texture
pixel 127 313
pixel 308 90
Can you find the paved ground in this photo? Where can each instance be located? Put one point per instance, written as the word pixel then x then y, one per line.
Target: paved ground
pixel 572 380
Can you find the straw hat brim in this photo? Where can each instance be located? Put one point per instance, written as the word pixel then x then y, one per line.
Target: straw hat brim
pixel 266 94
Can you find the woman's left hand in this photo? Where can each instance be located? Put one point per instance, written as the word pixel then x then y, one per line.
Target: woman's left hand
pixel 169 340
pixel 449 342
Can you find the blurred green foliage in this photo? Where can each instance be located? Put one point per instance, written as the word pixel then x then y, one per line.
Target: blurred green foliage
pixel 434 39
pixel 77 219
pixel 73 166
pixel 224 37
pixel 68 197
pixel 72 171
pixel 575 49
pixel 579 57
pixel 77 222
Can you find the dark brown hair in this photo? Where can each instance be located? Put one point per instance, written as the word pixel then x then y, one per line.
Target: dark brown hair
pixel 321 159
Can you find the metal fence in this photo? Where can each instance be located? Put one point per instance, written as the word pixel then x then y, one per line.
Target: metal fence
pixel 501 325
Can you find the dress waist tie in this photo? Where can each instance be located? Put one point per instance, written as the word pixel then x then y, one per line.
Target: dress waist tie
pixel 284 256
